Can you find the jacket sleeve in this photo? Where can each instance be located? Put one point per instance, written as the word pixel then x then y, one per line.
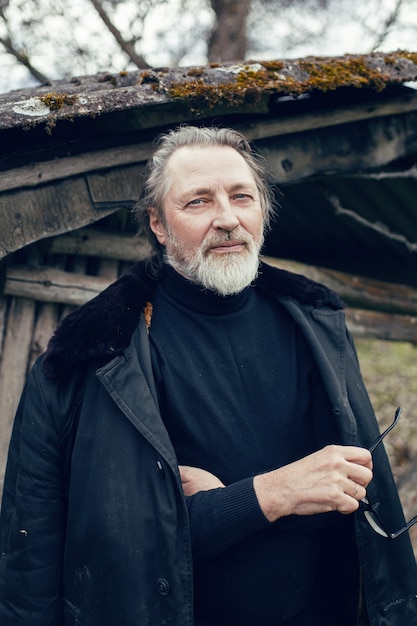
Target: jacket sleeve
pixel 32 517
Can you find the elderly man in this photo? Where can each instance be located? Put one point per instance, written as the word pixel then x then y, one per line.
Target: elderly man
pixel 192 449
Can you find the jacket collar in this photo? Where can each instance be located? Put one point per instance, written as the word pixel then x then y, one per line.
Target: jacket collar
pixel 103 327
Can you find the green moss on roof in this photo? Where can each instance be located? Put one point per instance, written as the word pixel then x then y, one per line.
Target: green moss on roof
pixel 55 101
pixel 336 73
pixel 204 95
pixel 250 81
pixel 401 54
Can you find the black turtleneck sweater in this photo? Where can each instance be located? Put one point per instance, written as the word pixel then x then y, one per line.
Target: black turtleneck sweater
pixel 239 394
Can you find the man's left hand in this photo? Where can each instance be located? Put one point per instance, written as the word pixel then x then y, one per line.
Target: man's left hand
pixel 195 479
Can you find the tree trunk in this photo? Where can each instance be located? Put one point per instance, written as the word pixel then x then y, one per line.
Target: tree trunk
pixel 228 41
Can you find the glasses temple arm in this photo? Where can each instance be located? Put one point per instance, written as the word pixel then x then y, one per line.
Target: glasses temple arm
pixel 380 438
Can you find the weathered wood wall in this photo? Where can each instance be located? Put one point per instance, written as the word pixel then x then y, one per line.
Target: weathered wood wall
pixel 39 287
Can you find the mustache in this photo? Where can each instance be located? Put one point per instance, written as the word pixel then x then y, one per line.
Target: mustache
pixel 239 235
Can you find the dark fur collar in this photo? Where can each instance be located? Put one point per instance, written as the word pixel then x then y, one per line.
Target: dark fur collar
pixel 103 327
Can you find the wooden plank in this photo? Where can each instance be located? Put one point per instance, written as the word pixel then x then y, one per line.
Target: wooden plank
pixel 116 185
pixel 13 368
pixel 47 320
pixel 88 241
pixel 349 148
pixel 53 285
pixel 357 291
pixel 379 325
pixel 41 172
pixel 31 215
pixel 79 266
pixel 373 294
pixel 3 312
pixel 332 116
pixel 109 269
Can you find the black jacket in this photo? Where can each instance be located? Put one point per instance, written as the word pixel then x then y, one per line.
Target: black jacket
pixel 94 525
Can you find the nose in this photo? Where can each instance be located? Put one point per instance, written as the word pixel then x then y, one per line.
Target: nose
pixel 225 216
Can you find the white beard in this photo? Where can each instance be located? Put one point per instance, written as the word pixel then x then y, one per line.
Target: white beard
pixel 227 273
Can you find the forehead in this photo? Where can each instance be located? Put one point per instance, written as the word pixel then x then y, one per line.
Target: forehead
pixel 209 165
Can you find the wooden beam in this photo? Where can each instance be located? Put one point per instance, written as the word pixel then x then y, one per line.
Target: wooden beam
pixel 90 242
pixel 345 149
pixel 379 325
pixel 41 172
pixel 357 291
pixel 332 116
pixel 116 185
pixel 3 313
pixel 30 215
pixel 46 322
pixel 47 284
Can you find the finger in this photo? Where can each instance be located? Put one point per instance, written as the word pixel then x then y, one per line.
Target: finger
pixel 356 491
pixel 358 455
pixel 185 473
pixel 350 461
pixel 359 474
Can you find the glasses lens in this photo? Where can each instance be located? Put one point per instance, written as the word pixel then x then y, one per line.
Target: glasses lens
pixel 374 523
pixel 370 515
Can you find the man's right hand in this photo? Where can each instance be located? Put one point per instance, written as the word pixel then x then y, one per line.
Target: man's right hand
pixel 332 479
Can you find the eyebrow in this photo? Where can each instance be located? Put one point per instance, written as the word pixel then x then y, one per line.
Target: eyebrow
pixel 197 191
pixel 243 186
pixel 201 191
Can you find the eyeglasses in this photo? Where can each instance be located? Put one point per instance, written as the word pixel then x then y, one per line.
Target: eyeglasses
pixel 369 511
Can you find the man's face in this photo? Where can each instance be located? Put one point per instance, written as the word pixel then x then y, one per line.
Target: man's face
pixel 213 224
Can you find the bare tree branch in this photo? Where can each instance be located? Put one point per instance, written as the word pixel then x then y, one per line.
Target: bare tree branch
pixel 19 55
pixel 391 19
pixel 23 59
pixel 127 46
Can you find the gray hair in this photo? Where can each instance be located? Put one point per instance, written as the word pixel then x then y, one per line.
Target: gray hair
pixel 156 185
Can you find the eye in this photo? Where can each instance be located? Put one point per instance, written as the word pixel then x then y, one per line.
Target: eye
pixel 196 202
pixel 242 196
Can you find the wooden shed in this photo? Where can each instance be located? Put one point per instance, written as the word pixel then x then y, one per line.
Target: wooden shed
pixel 340 137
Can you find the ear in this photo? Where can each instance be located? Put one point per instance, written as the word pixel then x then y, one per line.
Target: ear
pixel 156 226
